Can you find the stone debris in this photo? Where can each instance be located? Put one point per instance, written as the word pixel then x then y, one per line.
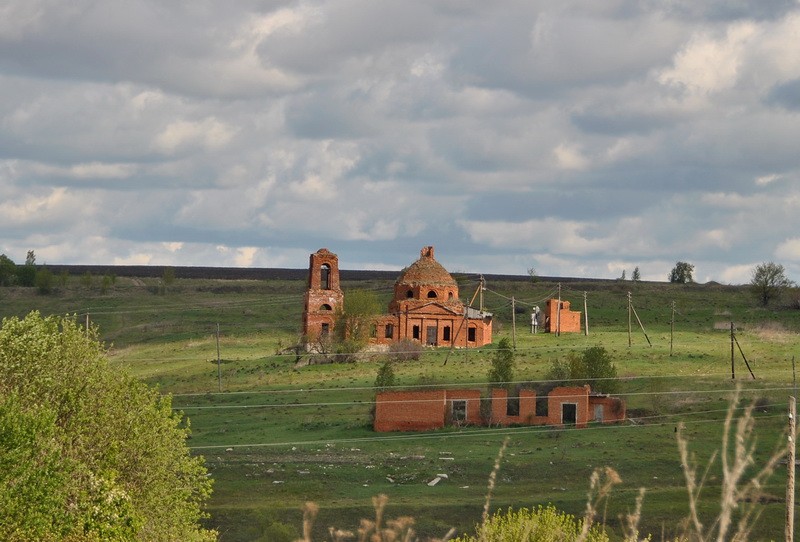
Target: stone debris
pixel 434 481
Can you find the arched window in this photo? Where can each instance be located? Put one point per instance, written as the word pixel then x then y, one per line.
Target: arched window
pixel 410 294
pixel 450 296
pixel 326 307
pixel 432 294
pixel 325 276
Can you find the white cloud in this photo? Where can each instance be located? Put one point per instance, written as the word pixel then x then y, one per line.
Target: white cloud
pixel 711 63
pixel 789 249
pixel 209 133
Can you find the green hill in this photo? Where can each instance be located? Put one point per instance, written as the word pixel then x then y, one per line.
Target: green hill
pixel 279 433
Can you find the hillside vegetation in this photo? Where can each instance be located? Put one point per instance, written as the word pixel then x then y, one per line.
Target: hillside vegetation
pixel 276 433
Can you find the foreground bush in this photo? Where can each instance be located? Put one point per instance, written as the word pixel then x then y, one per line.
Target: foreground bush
pixel 88 453
pixel 542 524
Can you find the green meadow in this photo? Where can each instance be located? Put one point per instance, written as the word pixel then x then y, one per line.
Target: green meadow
pixel 276 432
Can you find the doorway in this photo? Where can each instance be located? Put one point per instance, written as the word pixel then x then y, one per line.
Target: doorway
pixel 569 413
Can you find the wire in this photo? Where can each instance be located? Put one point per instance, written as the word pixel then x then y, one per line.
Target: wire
pixel 461 434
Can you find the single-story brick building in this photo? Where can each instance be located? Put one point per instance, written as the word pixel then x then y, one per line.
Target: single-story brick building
pixel 433 409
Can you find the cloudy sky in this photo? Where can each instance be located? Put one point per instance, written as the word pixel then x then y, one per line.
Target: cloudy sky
pixel 579 138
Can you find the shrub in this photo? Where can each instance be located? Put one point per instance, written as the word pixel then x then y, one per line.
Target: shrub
pixel 385 378
pixel 502 370
pixel 593 367
pixel 405 350
pixel 542 524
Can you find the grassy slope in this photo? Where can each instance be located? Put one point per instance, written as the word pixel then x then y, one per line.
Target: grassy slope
pixel 309 427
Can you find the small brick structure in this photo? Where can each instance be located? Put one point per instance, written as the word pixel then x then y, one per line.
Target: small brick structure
pixel 425 306
pixel 434 409
pixel 561 319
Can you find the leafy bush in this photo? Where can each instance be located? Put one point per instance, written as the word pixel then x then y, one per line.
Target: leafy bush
pixel 405 350
pixel 542 524
pixel 385 378
pixel 593 367
pixel 502 370
pixel 96 450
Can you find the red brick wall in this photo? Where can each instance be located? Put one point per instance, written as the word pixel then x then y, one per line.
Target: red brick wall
pixel 431 409
pixel 410 410
pixel 569 320
pixel 613 408
pixel 423 410
pixel 561 395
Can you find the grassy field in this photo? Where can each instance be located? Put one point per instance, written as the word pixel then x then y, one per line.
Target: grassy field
pixel 276 434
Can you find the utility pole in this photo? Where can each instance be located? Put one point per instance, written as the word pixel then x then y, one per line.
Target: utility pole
pixel 629 319
pixel 790 473
pixel 219 370
pixel 483 287
pixel 513 322
pixel 733 370
pixel 87 324
pixel 671 328
pixel 558 312
pixel 585 316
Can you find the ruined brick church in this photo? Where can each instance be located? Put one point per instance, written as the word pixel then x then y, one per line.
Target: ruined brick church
pixel 425 306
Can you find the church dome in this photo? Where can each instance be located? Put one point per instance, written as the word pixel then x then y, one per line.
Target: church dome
pixel 426 272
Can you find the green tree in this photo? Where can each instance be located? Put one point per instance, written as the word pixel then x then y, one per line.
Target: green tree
pixel 86 280
pixel 681 273
pixel 26 274
pixel 636 276
pixel 112 450
pixel 502 369
pixel 594 367
pixel 44 281
pixel 385 378
pixel 8 271
pixel 355 321
pixel 768 282
pixel 168 277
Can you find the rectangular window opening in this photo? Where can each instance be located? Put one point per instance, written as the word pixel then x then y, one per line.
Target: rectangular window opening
pixel 446 333
pixel 459 411
pixel 541 406
pixel 512 405
pixel 471 334
pixel 415 332
pixel 389 334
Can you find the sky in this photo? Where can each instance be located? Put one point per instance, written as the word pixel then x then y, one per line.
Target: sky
pixel 575 138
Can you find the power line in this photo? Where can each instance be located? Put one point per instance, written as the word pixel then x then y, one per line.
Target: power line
pixel 526 430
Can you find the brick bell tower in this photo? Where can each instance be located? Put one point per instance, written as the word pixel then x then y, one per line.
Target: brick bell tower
pixel 323 296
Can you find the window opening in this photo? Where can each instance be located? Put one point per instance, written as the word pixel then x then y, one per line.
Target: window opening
pixel 415 332
pixel 326 329
pixel 325 276
pixel 471 334
pixel 432 294
pixel 446 333
pixel 541 406
pixel 512 405
pixel 410 294
pixel 598 413
pixel 373 330
pixel 325 307
pixel 459 411
pixel 389 334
